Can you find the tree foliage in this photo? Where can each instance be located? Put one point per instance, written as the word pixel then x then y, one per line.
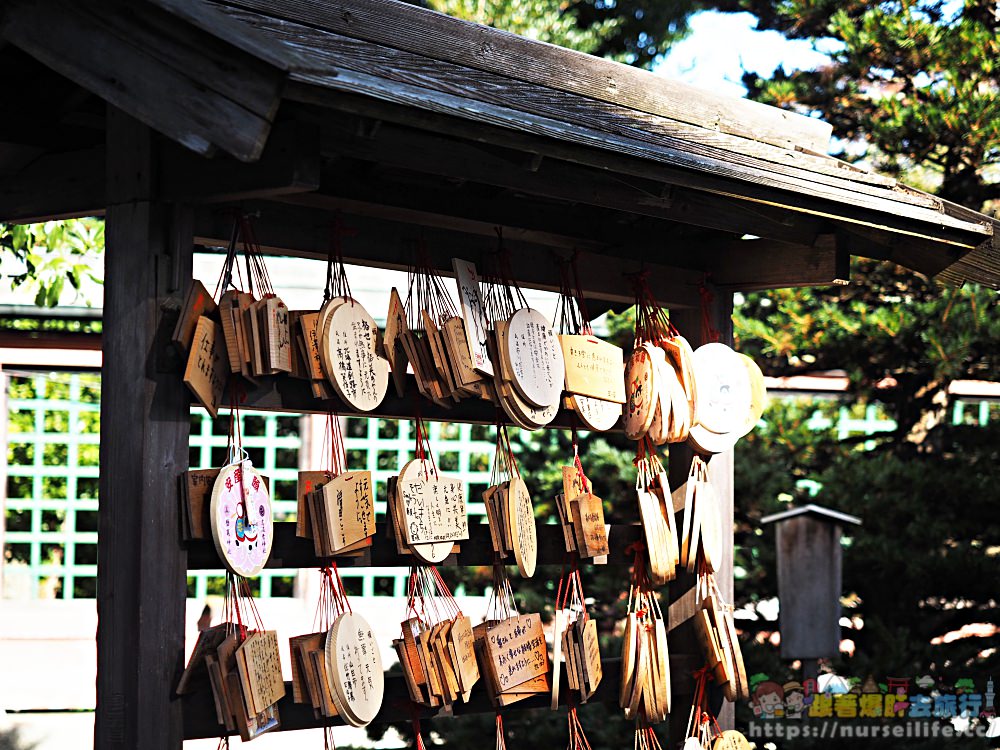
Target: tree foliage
pixel 52 254
pixel 912 84
pixel 632 31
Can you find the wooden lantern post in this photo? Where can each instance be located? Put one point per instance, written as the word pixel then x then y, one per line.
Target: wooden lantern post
pixel 809 582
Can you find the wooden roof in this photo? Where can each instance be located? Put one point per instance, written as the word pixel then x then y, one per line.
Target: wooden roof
pixel 392 113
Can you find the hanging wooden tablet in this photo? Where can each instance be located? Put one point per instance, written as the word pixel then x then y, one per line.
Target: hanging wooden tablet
pixel 474 318
pixel 456 343
pixel 308 327
pixel 195 492
pixel 275 325
pixel 244 335
pixel 513 657
pixel 575 641
pixel 395 325
pixel 521 513
pixel 588 520
pixel 645 685
pixel 593 367
pixel 198 302
pixel 206 373
pixel 657 529
pixel 437 647
pixel 243 666
pixel 350 509
pixel 262 681
pixel 232 328
pixel 439 356
pixel 242 526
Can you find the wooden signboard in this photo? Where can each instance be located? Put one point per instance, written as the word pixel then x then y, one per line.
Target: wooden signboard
pixel 456 343
pixel 463 643
pixel 308 322
pixel 260 670
pixel 473 314
pixel 350 509
pixel 588 521
pixel 593 368
pixel 308 482
pixel 206 372
pixel 517 650
pixel 275 326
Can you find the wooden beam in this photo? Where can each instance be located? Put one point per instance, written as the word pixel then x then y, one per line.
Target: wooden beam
pixel 291 551
pixel 64 185
pixel 289 164
pixel 186 80
pixel 381 243
pixel 750 265
pixel 55 186
pixel 325 50
pixel 458 158
pixel 463 209
pixel 145 414
pixel 365 95
pixel 440 37
pixel 200 719
pixel 720 468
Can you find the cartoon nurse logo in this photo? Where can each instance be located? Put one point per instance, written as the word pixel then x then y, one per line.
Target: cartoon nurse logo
pixel 768 700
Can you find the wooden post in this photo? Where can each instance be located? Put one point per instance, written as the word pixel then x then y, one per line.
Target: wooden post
pixel 141 566
pixel 689 322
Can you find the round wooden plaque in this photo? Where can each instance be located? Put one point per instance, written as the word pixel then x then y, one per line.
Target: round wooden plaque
pixel 707 442
pixel 536 360
pixel 680 409
pixel 723 388
pixel 640 393
pixel 666 382
pixel 240 511
pixel 435 552
pixel 521 513
pixel 596 415
pixel 731 740
pixel 325 360
pixel 686 376
pixel 514 413
pixel 349 339
pixel 354 669
pixel 758 394
pixel 524 413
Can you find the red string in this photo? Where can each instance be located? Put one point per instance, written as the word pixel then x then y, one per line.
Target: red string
pixel 415 722
pixel 709 332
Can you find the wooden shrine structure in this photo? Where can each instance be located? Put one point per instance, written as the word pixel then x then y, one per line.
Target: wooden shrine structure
pixel 166 116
